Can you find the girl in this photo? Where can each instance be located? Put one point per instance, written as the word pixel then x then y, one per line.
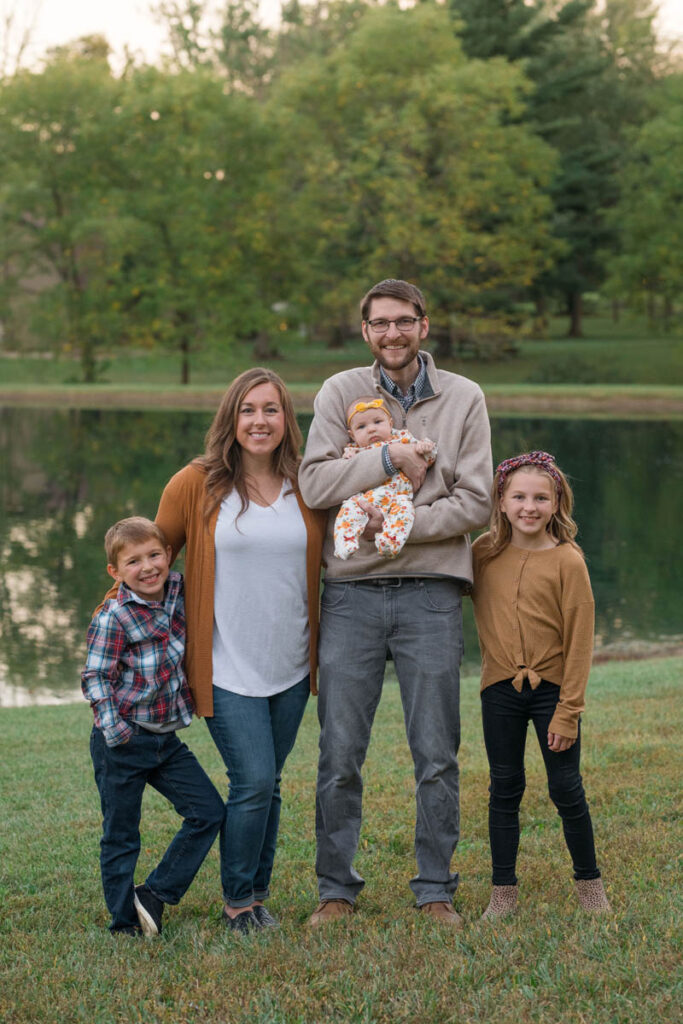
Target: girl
pixel 534 610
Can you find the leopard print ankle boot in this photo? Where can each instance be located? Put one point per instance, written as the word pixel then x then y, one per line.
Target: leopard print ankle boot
pixel 592 896
pixel 503 902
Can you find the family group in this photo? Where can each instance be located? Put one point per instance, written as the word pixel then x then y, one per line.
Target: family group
pixel 397 473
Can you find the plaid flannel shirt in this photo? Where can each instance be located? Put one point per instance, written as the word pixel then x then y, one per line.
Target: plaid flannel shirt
pixel 134 670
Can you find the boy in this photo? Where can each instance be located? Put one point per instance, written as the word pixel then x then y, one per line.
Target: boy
pixel 135 682
pixel 370 425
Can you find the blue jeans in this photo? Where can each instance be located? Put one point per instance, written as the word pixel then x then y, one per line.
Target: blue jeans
pixel 254 736
pixel 418 622
pixel 121 774
pixel 505 715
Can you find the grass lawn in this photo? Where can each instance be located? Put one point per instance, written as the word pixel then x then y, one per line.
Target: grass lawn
pixel 628 353
pixel 386 964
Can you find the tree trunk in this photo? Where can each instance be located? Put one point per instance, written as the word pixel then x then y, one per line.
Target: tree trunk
pixel 337 335
pixel 540 327
pixel 263 349
pixel 88 362
pixel 184 360
pixel 576 315
pixel 443 343
pixel 184 323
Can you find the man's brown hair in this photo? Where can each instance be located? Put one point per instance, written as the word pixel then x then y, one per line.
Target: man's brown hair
pixel 392 288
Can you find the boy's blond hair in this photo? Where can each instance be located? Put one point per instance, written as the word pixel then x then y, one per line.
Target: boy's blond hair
pixel 133 530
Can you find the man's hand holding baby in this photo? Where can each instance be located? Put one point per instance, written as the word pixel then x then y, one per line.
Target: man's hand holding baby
pixel 407 459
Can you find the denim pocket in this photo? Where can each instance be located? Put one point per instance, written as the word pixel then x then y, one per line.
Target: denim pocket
pixel 334 595
pixel 440 595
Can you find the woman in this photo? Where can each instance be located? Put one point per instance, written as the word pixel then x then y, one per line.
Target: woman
pixel 252 572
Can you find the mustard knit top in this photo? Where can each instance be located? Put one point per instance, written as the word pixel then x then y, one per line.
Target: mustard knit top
pixel 535 617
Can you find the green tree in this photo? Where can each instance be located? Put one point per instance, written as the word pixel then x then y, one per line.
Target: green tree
pixel 591 68
pixel 190 36
pixel 230 39
pixel 315 29
pixel 402 158
pixel 515 29
pixel 56 234
pixel 245 49
pixel 125 205
pixel 17 25
pixel 187 163
pixel 648 217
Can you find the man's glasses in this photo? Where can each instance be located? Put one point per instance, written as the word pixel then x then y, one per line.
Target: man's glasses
pixel 403 324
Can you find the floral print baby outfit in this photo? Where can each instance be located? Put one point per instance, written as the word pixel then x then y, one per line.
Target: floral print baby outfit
pixel 394 498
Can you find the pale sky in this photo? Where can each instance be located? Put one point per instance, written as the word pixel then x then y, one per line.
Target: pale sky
pixel 122 22
pixel 131 22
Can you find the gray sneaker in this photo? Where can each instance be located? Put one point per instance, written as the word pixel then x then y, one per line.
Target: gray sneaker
pixel 243 923
pixel 149 909
pixel 264 917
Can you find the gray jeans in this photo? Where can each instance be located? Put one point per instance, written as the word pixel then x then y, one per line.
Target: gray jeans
pixel 419 621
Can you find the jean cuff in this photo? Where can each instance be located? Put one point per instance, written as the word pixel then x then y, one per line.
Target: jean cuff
pixel 434 899
pixel 246 901
pixel 347 897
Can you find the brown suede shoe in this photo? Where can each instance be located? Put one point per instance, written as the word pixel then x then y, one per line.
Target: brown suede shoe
pixel 443 912
pixel 330 910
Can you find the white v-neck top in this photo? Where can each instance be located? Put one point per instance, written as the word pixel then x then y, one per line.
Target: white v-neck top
pixel 260 628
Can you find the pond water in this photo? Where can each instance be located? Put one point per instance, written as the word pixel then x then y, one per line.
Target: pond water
pixel 66 475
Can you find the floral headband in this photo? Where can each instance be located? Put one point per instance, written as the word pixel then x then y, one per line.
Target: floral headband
pixel 543 460
pixel 377 403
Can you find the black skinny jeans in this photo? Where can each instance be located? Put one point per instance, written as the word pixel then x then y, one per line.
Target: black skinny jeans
pixel 506 714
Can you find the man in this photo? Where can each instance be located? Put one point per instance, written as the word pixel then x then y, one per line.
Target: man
pixel 408 608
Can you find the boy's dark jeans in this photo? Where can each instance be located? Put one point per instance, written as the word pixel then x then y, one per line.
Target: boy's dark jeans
pixel 505 715
pixel 121 774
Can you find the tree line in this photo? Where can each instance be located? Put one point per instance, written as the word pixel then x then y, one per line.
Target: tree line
pixel 507 155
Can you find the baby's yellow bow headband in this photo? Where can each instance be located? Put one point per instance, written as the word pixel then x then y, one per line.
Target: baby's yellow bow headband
pixel 377 403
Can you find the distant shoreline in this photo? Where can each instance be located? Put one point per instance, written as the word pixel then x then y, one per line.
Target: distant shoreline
pixel 593 401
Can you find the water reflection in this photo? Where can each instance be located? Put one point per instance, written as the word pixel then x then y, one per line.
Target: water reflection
pixel 68 474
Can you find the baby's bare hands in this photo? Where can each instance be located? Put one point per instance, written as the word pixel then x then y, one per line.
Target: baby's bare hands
pixel 424 446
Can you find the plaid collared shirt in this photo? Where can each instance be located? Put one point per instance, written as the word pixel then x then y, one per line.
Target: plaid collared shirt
pixel 418 389
pixel 414 393
pixel 134 671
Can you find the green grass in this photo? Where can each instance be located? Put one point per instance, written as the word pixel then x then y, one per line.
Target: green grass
pixel 620 354
pixel 386 964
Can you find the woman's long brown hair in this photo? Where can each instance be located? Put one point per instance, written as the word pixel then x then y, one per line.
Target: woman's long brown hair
pixel 222 459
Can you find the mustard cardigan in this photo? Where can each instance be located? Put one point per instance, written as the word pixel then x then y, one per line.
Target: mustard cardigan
pixel 181 517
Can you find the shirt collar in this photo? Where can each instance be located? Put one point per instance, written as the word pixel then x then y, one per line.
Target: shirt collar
pixel 414 392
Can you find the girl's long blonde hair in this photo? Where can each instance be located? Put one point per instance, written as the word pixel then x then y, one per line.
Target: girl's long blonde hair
pixel 222 458
pixel 561 526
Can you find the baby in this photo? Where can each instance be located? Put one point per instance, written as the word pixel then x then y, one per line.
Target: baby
pixel 370 425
